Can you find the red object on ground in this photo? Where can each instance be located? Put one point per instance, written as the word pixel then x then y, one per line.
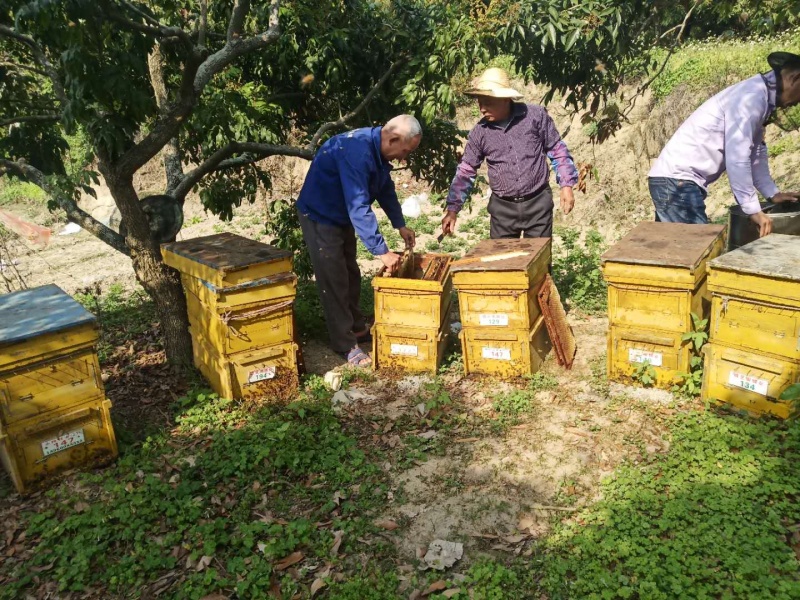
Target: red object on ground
pixel 30 231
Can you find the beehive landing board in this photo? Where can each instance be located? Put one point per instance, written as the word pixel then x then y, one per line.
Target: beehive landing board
pixel 226 251
pixel 533 246
pixel 775 255
pixel 39 311
pixel 665 245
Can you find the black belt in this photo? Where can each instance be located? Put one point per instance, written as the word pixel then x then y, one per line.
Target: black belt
pixel 525 198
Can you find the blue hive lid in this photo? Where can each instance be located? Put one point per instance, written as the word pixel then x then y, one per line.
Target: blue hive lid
pixel 31 313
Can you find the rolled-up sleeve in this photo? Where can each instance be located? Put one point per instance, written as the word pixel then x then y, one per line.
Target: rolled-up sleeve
pixel 466 172
pixel 743 133
pixel 557 152
pixel 354 175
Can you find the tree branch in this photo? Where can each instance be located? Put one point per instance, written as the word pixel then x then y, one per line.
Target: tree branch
pixel 29 119
pixel 203 30
pixel 341 121
pixel 172 158
pixel 240 10
pixel 681 28
pixel 14 65
pixel 39 56
pixel 67 204
pixel 223 158
pixel 196 75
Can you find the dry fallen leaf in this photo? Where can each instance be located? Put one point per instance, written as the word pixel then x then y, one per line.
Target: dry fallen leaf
pixel 436 586
pixel 337 541
pixel 203 563
pixel 386 524
pixel 451 592
pixel 515 539
pixel 81 507
pixel 292 559
pixel 317 586
pixel 214 597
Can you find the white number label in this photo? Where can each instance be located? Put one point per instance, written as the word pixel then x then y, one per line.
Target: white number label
pixel 749 383
pixel 404 350
pixel 496 353
pixel 494 319
pixel 645 356
pixel 63 442
pixel 261 375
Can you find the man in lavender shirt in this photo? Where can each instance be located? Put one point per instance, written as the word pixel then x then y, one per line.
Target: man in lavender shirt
pixel 726 134
pixel 516 140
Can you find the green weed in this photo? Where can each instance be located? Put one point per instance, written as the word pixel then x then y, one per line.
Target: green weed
pixel 645 374
pixel 423 224
pixel 511 407
pixel 13 191
pixel 576 270
pixel 227 485
pixel 690 384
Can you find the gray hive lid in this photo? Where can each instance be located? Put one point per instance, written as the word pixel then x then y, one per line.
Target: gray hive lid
pixel 39 311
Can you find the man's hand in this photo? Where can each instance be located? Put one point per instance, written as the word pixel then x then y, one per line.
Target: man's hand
pixel 763 222
pixel 567 200
pixel 391 261
pixel 782 197
pixel 449 222
pixel 409 236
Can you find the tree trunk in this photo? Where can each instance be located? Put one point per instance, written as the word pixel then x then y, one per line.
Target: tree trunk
pixel 163 284
pixel 160 281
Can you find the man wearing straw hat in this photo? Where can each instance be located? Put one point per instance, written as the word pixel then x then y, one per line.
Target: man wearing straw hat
pixel 727 134
pixel 516 140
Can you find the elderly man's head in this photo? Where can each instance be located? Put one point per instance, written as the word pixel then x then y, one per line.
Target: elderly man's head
pixel 400 137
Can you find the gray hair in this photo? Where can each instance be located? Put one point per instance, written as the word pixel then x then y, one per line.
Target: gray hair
pixel 405 125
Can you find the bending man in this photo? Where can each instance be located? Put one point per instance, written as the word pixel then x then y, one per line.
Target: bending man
pixel 348 173
pixel 726 134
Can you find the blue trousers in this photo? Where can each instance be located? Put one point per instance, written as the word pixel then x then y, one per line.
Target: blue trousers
pixel 678 200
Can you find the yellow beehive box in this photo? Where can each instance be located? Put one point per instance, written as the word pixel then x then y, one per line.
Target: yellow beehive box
pixel 514 309
pixel 413 349
pixel 503 265
pixel 419 300
pixel 277 288
pixel 657 275
pixel 263 373
pixel 47 355
pixel 756 297
pixel 629 348
pixel 34 450
pixel 503 352
pixel 226 259
pixel 748 380
pixel 242 330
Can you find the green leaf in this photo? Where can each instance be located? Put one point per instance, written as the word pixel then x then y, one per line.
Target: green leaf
pixel 572 39
pixel 551 30
pixel 792 392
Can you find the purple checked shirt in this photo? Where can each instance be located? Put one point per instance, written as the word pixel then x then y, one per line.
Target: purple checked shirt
pixel 516 154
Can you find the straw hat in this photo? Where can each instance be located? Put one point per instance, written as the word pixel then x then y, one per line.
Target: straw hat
pixel 494 82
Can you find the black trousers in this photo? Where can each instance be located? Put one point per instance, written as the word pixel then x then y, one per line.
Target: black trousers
pixel 333 256
pixel 532 218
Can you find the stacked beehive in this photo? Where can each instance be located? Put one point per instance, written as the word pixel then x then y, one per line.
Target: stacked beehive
pixel 754 349
pixel 240 296
pixel 412 314
pixel 54 414
pixel 657 277
pixel 503 331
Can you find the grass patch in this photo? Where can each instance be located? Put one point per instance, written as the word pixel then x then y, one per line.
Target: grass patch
pixel 717 63
pixel 218 501
pixel 14 191
pixel 122 315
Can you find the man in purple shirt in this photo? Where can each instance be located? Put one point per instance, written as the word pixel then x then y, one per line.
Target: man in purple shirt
pixel 516 140
pixel 726 134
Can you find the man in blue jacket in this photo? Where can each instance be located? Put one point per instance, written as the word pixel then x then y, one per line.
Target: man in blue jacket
pixel 348 173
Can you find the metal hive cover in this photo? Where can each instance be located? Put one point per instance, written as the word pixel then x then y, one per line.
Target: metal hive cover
pixel 226 251
pixel 30 313
pixel 532 246
pixel 665 245
pixel 775 255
